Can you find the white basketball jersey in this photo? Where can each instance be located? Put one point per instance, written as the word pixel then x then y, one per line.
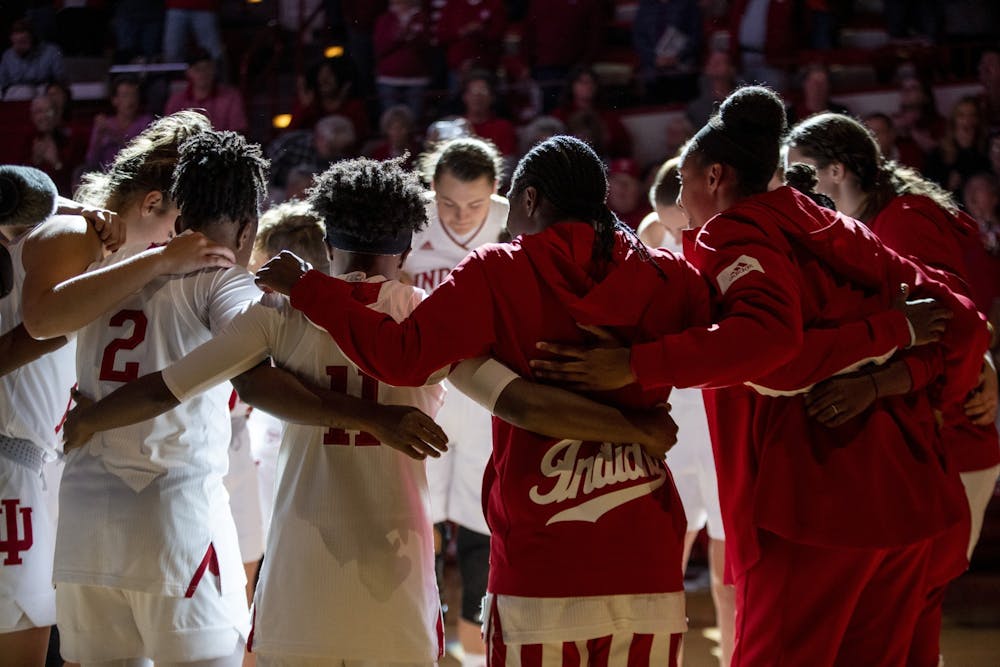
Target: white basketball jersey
pixel 349 570
pixel 456 478
pixel 144 507
pixel 34 398
pixel 436 250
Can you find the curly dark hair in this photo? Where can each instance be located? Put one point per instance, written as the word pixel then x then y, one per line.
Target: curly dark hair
pixel 368 199
pixel 219 177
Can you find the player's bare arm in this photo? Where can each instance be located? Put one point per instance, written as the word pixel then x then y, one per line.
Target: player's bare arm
pixel 60 297
pixel 18 348
pixel 559 413
pixel 284 395
pixel 273 390
pixel 603 366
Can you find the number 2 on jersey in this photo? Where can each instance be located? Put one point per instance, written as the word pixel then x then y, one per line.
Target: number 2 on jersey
pixel 131 370
pixel 369 392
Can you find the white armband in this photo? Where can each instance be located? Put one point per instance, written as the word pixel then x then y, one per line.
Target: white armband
pixel 483 380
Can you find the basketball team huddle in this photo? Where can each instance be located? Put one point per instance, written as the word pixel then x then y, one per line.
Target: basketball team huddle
pixel 447 356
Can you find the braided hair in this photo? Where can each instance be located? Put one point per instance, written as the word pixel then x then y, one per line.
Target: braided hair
pixel 570 176
pixel 832 137
pixel 219 177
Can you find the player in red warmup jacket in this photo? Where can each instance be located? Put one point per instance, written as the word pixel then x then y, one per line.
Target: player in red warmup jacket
pixel 586 537
pixel 828 530
pixel 920 220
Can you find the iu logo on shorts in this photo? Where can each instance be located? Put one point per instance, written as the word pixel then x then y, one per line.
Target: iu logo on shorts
pixel 10 543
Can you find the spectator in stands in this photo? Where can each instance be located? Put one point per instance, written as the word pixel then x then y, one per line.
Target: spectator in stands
pixel 582 93
pixel 918 118
pixel 522 96
pixel 718 80
pixel 187 18
pixel 981 195
pixel 814 95
pixel 28 61
pixel 903 150
pixel 559 34
pixel 138 26
pixel 540 129
pixel 113 130
pixel 667 35
pixel 914 19
pixel 471 33
pixel 359 17
pixel 989 77
pixel 52 148
pixel 401 66
pixel 678 131
pixel 314 150
pixel 62 100
pixel 587 126
pixel 763 41
pixel 221 103
pixel 328 89
pixel 477 98
pixel 397 124
pixel 626 196
pixel 963 147
pixel 993 153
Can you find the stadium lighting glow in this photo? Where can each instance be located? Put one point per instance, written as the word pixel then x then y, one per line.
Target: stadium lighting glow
pixel 333 52
pixel 282 120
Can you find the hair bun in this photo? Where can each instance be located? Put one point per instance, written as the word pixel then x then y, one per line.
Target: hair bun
pixel 753 112
pixel 801 176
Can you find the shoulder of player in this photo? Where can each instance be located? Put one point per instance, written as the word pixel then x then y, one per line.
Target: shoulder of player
pixel 70 237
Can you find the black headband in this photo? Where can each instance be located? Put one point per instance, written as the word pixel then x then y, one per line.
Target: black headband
pixel 389 245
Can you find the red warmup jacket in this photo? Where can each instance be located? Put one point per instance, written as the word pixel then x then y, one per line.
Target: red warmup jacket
pixel 803 293
pixel 481 47
pixel 566 519
pixel 916 227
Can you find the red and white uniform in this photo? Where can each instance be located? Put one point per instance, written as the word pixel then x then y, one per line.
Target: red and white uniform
pixel 349 572
pixel 586 537
pixel 456 478
pixel 144 506
pixel 33 401
pixel 803 294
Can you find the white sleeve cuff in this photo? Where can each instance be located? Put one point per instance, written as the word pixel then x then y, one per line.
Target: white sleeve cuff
pixel 483 380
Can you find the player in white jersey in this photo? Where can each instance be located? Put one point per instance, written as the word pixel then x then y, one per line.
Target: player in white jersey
pixel 346 506
pixel 147 564
pixel 691 461
pixel 35 382
pixel 250 481
pixel 60 297
pixel 463 213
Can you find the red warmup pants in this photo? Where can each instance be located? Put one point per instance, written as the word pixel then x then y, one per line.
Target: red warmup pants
pixel 809 606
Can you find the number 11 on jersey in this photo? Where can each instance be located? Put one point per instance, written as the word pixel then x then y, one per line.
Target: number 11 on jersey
pixel 369 392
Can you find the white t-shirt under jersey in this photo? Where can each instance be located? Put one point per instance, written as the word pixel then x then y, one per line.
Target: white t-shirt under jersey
pixel 143 505
pixel 349 571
